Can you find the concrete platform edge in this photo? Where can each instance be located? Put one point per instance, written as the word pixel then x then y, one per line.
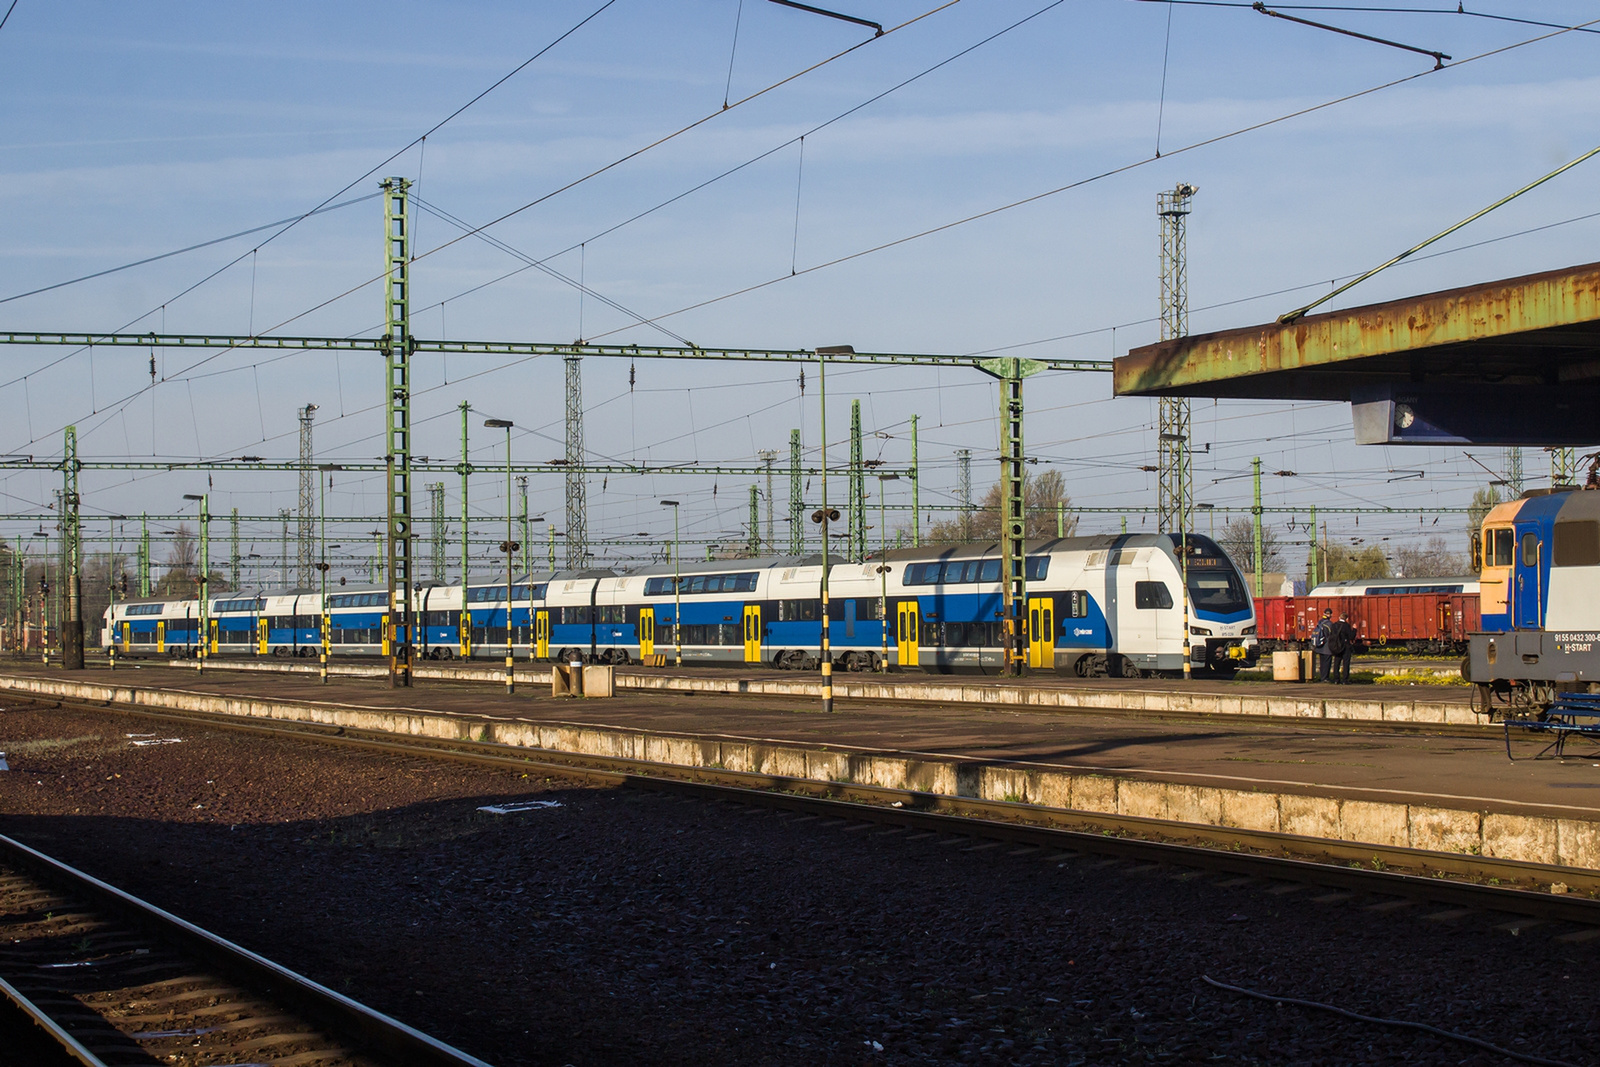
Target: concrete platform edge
pixel 1539 839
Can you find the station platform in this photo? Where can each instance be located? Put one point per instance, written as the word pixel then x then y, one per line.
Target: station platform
pixel 1401 702
pixel 1443 789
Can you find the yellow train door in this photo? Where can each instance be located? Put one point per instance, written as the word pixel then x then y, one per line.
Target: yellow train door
pixel 647 632
pixel 1041 632
pixel 752 633
pixel 541 634
pixel 263 635
pixel 466 634
pixel 211 639
pixel 127 636
pixel 161 635
pixel 906 633
pixel 388 641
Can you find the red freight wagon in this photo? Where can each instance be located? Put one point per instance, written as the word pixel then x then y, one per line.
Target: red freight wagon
pixel 1417 622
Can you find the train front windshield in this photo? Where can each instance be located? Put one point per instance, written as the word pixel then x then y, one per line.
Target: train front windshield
pixel 1217 590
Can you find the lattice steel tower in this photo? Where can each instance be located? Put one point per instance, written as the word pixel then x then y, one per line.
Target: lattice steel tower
pixel 1514 478
pixel 964 490
pixel 436 526
pixel 1562 462
pixel 797 505
pixel 305 531
pixel 577 509
pixel 769 457
pixel 1175 479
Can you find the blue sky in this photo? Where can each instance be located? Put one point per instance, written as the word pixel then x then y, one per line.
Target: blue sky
pixel 137 129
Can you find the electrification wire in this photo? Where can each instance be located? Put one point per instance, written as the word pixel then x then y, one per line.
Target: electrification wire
pixel 188 248
pixel 1458 10
pixel 1109 173
pixel 7 16
pixel 694 125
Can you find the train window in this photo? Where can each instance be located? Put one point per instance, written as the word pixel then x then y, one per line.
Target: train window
pixel 1151 595
pixel 144 609
pixel 1073 604
pixel 989 571
pixel 868 610
pixel 1477 551
pixel 615 614
pixel 1038 567
pixel 799 611
pixel 1577 544
pixel 1500 547
pixel 1530 550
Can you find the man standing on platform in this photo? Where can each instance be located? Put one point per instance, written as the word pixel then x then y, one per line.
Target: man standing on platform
pixel 1342 643
pixel 1320 638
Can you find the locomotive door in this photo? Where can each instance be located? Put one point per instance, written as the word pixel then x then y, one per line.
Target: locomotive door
pixel 1041 632
pixel 262 635
pixel 752 633
pixel 647 632
pixel 161 635
pixel 127 636
pixel 1525 585
pixel 906 633
pixel 541 633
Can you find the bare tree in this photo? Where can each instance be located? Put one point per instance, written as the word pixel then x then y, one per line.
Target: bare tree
pixel 1238 540
pixel 1041 497
pixel 1345 562
pixel 182 565
pixel 1432 559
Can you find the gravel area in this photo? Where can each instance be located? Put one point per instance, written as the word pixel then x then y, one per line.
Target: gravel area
pixel 632 927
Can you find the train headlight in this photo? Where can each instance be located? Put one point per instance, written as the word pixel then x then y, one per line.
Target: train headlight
pixel 1247 631
pixel 1200 631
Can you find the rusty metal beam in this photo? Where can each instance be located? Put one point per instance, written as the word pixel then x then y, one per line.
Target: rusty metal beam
pixel 1537 329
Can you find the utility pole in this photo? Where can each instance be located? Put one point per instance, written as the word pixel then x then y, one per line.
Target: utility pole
pixel 916 496
pixel 144 554
pixel 308 499
pixel 1316 567
pixel 233 543
pixel 436 527
pixel 527 550
pixel 769 457
pixel 72 554
pixel 797 507
pixel 465 470
pixel 858 489
pixel 283 546
pixel 1013 505
pixel 1176 488
pixel 1255 514
pixel 964 490
pixel 752 544
pixel 398 345
pixel 577 508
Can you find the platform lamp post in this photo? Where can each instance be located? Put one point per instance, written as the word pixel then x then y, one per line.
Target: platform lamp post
pixel 883 567
pixel 326 623
pixel 202 593
pixel 509 547
pixel 111 585
pixel 677 597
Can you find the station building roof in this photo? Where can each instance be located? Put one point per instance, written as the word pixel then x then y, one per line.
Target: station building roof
pixel 1512 362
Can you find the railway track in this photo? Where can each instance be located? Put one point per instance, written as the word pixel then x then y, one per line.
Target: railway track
pixel 93 976
pixel 1458 881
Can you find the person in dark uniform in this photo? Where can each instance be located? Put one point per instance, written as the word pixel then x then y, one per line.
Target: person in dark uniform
pixel 1319 646
pixel 1342 643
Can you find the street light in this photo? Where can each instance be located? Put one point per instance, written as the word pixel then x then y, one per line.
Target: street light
pixel 509 547
pixel 322 567
pixel 200 584
pixel 677 599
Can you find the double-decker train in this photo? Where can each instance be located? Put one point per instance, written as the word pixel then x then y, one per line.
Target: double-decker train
pixel 1104 605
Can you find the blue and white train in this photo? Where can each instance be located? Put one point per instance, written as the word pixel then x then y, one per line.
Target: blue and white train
pixel 1104 605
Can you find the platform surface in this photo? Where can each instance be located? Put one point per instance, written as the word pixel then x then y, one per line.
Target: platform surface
pixel 1449 767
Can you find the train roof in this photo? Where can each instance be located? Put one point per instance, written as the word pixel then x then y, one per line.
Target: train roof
pixel 725 566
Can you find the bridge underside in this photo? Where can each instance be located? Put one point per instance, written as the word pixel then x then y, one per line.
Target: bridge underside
pixel 1512 362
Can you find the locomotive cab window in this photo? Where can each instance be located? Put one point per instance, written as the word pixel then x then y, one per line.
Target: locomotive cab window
pixel 1577 544
pixel 1151 595
pixel 1530 550
pixel 1499 547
